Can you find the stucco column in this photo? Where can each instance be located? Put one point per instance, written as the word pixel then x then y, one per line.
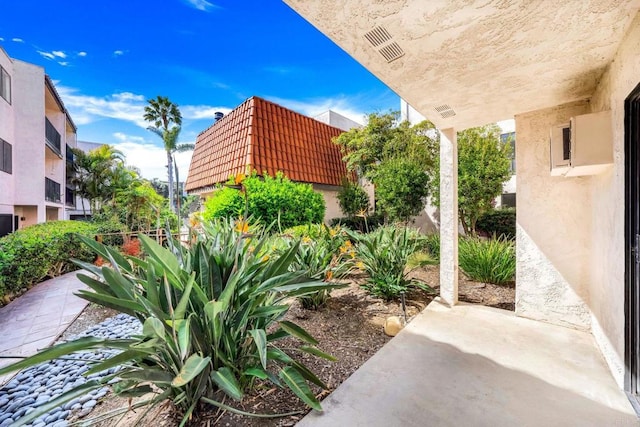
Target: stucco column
pixel 449 216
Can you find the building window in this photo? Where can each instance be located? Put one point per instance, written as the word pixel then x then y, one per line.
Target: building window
pixel 5 85
pixel 508 200
pixel 6 162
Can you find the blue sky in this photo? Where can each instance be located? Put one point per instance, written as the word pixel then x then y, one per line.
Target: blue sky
pixel 108 57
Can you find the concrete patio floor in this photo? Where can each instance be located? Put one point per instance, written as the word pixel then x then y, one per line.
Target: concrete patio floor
pixel 479 366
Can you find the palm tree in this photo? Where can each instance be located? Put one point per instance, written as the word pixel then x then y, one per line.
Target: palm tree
pixel 166 119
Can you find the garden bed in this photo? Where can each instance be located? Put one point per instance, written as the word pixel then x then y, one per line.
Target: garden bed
pixel 349 327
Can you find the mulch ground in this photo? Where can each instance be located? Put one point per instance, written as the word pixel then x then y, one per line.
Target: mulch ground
pixel 350 327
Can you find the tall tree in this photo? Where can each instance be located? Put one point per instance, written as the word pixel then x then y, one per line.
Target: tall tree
pixel 483 167
pixel 397 157
pixel 166 119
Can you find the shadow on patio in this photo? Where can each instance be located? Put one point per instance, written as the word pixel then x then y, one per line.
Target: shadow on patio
pixel 479 366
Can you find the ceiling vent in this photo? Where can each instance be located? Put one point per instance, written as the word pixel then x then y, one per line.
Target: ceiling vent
pixel 445 111
pixel 381 40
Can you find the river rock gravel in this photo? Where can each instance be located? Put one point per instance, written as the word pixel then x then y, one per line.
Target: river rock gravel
pixel 39 384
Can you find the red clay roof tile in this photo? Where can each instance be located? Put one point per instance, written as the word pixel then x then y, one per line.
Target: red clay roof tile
pixel 263 136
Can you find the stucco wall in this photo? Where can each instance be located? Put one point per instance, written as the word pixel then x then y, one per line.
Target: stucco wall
pixel 607 208
pixel 6 133
pixel 330 195
pixel 554 226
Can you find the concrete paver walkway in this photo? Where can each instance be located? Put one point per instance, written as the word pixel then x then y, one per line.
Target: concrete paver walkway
pixel 34 320
pixel 478 366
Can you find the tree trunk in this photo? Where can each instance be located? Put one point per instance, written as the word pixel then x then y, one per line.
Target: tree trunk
pixel 170 175
pixel 178 194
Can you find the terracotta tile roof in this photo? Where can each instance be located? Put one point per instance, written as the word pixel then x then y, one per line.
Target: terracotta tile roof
pixel 263 136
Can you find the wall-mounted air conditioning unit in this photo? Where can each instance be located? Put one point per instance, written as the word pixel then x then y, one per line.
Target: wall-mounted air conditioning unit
pixel 584 146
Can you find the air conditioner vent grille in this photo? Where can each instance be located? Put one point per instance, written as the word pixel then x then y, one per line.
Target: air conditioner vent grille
pixel 445 111
pixel 381 40
pixel 391 52
pixel 378 36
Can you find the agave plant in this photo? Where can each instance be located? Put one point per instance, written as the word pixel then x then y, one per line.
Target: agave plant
pixel 212 315
pixel 384 255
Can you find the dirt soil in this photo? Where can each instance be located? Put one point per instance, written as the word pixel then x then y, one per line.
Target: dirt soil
pixel 349 327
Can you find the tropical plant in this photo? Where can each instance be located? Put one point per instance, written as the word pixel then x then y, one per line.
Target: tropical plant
pixel 484 163
pixel 98 174
pixel 269 200
pixel 432 244
pixel 352 198
pixel 489 261
pixel 167 121
pixel 319 256
pixel 212 316
pixel 383 255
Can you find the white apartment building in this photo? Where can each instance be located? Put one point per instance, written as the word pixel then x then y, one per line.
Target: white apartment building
pixel 36 134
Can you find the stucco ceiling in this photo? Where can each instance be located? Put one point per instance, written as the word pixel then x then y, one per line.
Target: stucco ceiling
pixel 487 60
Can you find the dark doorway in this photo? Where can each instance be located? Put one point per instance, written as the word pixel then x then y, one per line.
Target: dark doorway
pixel 6 224
pixel 632 244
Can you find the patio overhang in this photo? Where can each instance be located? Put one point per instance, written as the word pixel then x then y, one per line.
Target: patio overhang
pixel 463 64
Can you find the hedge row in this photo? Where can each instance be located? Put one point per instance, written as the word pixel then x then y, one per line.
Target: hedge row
pixel 40 251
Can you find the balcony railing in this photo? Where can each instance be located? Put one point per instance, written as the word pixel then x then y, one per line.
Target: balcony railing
pixel 71 158
pixel 51 191
pixel 70 197
pixel 52 137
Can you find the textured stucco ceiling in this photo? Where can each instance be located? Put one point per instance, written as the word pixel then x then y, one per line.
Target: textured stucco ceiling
pixel 488 59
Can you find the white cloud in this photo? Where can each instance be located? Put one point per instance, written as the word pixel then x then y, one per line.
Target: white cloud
pixel 118 52
pixel 197 112
pixel 128 138
pixel 203 5
pixel 59 54
pixel 63 63
pixel 314 107
pixel 17 40
pixel 1 39
pixel 152 159
pixel 125 106
pixel 82 53
pixel 47 55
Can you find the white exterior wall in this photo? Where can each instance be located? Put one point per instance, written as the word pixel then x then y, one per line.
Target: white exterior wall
pixel 330 195
pixel 608 204
pixel 553 227
pixel 29 150
pixel 7 134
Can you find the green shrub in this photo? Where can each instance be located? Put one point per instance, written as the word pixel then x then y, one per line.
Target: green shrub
pixel 212 320
pixel 39 251
pixel 363 224
pixel 432 244
pixel 269 200
pixel 319 255
pixel 312 231
pixel 402 187
pixel 498 222
pixel 352 198
pixel 384 255
pixel 112 231
pixel 490 261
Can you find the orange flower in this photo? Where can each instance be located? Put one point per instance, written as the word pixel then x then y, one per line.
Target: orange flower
pixel 242 226
pixel 328 275
pixel 239 178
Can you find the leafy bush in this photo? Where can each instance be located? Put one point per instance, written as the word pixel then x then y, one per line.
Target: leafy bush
pixel 111 230
pixel 402 187
pixel 432 244
pixel 498 222
pixel 383 255
pixel 491 261
pixel 362 224
pixel 39 251
pixel 352 198
pixel 269 200
pixel 312 231
pixel 212 317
